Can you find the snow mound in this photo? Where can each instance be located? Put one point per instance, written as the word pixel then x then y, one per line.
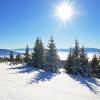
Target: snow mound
pixel 20 82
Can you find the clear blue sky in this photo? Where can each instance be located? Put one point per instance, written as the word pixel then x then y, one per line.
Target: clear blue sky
pixel 21 21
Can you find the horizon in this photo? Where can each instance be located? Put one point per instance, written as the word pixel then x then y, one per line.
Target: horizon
pixel 22 21
pixel 59 49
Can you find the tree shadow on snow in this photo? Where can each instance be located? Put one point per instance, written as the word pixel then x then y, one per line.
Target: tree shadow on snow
pixel 43 76
pixel 40 75
pixel 23 69
pixel 90 82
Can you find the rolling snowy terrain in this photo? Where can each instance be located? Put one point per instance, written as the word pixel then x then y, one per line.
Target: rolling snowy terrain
pixel 18 82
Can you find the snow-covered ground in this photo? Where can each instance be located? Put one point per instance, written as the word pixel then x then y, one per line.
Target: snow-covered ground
pixel 23 83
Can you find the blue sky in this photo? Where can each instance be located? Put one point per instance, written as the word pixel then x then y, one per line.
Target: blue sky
pixel 21 21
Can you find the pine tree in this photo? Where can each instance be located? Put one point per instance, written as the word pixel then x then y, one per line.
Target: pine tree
pixel 76 57
pixel 38 54
pixel 84 63
pixel 72 61
pixel 11 56
pixel 94 66
pixel 77 61
pixel 18 58
pixel 99 64
pixel 69 62
pixel 98 56
pixel 76 49
pixel 27 56
pixel 51 57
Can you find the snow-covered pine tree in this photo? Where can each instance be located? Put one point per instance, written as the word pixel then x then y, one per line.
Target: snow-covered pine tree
pixel 77 61
pixel 69 62
pixel 94 66
pixel 38 56
pixel 73 61
pixel 11 56
pixel 84 68
pixel 99 64
pixel 27 56
pixel 52 58
pixel 76 55
pixel 18 58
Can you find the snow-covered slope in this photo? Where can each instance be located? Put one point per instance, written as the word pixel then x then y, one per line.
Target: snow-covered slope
pixel 23 83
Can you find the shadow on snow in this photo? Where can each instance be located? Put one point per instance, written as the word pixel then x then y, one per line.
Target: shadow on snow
pixel 23 69
pixel 90 82
pixel 43 76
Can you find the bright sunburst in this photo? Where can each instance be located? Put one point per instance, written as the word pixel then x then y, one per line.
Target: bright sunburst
pixel 65 11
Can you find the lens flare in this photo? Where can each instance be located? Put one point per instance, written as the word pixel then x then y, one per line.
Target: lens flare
pixel 64 11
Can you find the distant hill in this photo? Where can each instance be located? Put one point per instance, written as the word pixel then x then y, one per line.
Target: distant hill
pixel 60 49
pixel 87 49
pixel 5 52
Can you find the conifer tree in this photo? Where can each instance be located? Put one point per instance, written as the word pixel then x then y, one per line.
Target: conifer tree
pixel 99 64
pixel 27 56
pixel 77 61
pixel 51 56
pixel 95 66
pixel 11 56
pixel 76 55
pixel 69 63
pixel 84 63
pixel 38 56
pixel 18 58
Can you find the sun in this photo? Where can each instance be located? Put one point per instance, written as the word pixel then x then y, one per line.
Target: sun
pixel 64 11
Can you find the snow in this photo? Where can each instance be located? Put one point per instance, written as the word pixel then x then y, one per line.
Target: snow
pixel 18 82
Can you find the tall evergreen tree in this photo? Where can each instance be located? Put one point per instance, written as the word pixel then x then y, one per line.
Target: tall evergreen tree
pixel 11 56
pixel 84 63
pixel 77 61
pixel 27 56
pixel 95 67
pixel 51 56
pixel 18 58
pixel 69 63
pixel 76 55
pixel 38 54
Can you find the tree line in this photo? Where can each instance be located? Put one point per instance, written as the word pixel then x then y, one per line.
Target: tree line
pixel 77 61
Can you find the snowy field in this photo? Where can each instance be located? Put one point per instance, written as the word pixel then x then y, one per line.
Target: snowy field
pixel 23 83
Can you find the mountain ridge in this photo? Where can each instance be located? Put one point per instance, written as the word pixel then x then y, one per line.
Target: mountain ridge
pixel 6 52
pixel 61 49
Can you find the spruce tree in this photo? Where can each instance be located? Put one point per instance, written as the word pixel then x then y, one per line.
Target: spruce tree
pixel 77 61
pixel 18 58
pixel 51 57
pixel 84 63
pixel 11 56
pixel 76 57
pixel 99 64
pixel 94 66
pixel 27 56
pixel 69 62
pixel 38 54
